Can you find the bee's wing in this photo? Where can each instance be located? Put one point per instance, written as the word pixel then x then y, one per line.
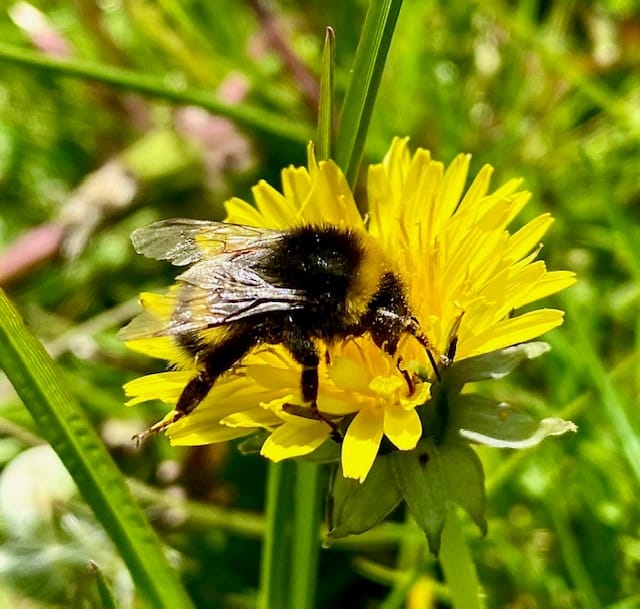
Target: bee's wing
pixel 229 288
pixel 184 241
pixel 218 291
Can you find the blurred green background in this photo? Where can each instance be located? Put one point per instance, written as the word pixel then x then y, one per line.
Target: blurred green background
pixel 117 113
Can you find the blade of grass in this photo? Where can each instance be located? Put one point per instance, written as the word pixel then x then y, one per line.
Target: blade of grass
pixel 594 89
pixel 325 111
pixel 556 504
pixel 612 402
pixel 104 592
pixel 243 115
pixel 63 424
pixel 362 89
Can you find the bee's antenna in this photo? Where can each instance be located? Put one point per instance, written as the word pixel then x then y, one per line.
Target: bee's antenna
pixel 413 327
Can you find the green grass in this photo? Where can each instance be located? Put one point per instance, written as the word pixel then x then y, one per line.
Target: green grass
pixel 547 91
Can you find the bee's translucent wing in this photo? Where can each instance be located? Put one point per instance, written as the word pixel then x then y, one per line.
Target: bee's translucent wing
pixel 229 288
pixel 184 241
pixel 222 288
pixel 198 308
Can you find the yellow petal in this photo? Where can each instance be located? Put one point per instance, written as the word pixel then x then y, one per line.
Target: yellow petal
pixel 402 427
pixel 165 386
pixel 551 283
pixel 162 347
pixel 361 443
pixel 453 186
pixel 528 237
pixel 253 417
pixel 277 212
pixel 331 200
pixel 198 435
pixel 396 162
pixel 294 439
pixel 268 376
pixel 240 212
pixel 511 331
pixel 296 185
pixel 349 374
pixel 478 188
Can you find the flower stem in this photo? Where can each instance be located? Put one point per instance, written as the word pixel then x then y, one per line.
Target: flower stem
pixel 276 549
pixel 291 541
pixel 309 490
pixel 458 567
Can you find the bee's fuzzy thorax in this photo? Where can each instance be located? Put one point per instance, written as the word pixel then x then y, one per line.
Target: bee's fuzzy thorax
pixel 367 278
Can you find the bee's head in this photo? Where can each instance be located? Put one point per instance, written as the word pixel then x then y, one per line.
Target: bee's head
pixel 387 314
pixel 389 317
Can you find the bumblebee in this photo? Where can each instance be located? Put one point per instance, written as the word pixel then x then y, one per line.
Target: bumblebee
pixel 246 286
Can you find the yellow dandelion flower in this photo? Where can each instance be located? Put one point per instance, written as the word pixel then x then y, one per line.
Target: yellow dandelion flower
pixel 462 270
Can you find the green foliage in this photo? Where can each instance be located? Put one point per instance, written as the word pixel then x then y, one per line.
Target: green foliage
pixel 547 91
pixel 354 507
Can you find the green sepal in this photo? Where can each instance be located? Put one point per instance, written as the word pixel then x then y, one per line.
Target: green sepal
pixel 420 476
pixel 464 480
pixel 492 365
pixel 488 417
pixel 433 477
pixel 356 507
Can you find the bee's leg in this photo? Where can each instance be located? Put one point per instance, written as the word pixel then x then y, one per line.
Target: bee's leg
pixel 195 391
pixel 304 351
pixel 213 363
pixel 406 376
